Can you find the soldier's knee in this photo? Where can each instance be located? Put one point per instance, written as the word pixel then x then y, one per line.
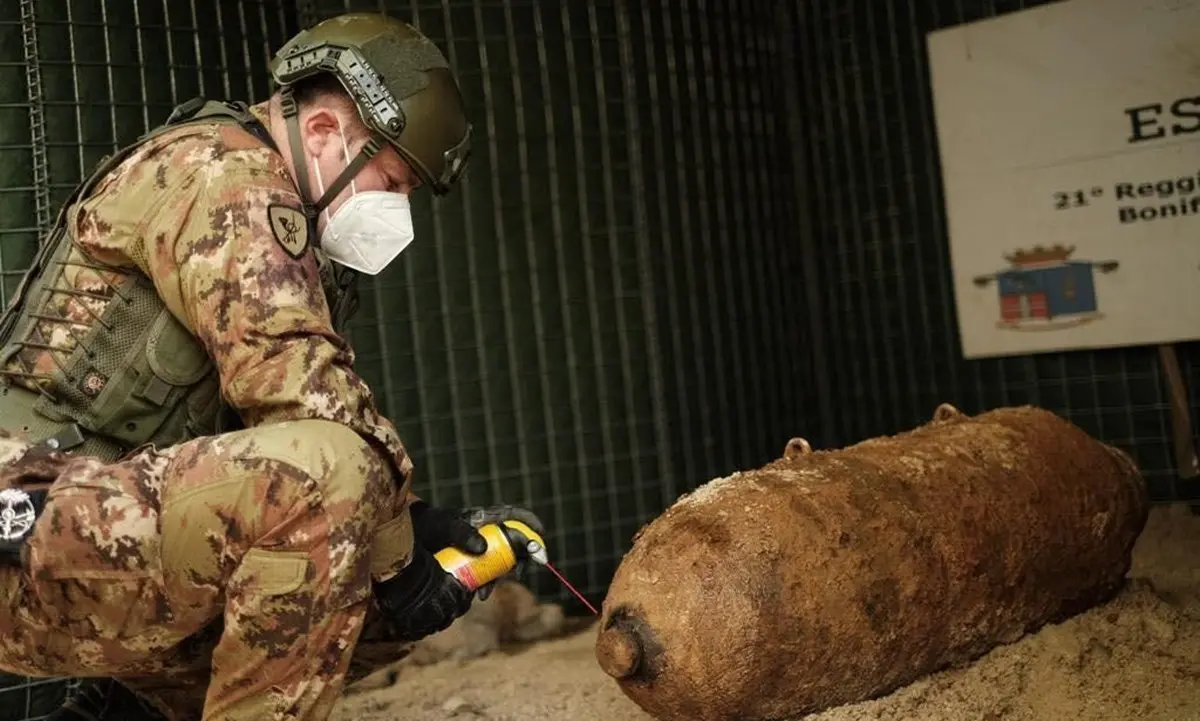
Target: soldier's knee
pixel 342 466
pixel 358 469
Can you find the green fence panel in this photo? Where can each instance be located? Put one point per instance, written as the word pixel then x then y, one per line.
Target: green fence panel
pixel 79 78
pixel 873 195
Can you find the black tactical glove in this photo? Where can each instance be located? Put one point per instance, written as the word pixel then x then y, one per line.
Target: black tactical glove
pixel 437 528
pixel 422 599
pixel 105 699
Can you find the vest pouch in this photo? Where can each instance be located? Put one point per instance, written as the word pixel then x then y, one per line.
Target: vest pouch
pixel 18 416
pixel 152 386
pixel 175 356
pixel 178 358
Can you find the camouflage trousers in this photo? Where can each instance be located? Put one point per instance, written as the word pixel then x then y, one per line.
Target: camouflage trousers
pixel 226 578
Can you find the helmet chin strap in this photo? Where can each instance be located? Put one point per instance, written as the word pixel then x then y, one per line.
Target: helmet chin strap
pixel 291 113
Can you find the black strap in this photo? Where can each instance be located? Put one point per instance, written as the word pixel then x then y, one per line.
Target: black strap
pixel 195 109
pixel 291 112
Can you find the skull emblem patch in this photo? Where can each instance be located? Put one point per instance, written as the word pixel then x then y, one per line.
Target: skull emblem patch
pixel 16 514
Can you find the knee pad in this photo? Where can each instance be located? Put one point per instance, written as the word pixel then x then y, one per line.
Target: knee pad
pixel 333 456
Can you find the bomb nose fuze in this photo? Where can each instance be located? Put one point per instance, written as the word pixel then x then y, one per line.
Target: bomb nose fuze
pixel 620 648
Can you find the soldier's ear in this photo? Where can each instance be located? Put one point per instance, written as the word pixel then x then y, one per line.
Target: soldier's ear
pixel 319 129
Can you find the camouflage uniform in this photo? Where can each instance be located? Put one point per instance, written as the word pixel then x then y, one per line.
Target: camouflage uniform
pixel 268 528
pixel 228 575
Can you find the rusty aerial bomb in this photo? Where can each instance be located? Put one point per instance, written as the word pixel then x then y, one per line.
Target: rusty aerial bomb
pixel 832 577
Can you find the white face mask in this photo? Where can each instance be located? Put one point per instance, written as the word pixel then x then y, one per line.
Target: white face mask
pixel 370 228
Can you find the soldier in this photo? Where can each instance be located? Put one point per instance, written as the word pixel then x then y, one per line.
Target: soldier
pixel 198 495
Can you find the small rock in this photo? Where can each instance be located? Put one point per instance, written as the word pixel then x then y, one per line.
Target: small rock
pixel 379 704
pixel 457 706
pixel 1160 629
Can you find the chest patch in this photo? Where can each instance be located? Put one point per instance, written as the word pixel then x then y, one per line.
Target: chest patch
pixel 289 228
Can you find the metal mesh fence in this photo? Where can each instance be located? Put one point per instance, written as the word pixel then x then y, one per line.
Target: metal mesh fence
pixel 598 319
pixel 872 192
pixel 78 79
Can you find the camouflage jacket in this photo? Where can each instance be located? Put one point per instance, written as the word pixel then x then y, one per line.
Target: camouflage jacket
pixel 211 217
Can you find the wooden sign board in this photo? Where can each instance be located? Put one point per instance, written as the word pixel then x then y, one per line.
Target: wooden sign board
pixel 1069 137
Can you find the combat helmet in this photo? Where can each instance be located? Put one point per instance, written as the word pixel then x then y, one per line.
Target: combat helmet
pixel 402 86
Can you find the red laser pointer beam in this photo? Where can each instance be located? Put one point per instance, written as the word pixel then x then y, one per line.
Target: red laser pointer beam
pixel 572 589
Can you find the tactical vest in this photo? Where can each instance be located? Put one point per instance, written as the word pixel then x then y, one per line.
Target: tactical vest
pixel 161 386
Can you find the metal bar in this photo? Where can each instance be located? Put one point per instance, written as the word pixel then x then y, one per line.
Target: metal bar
pixel 593 319
pixel 83 164
pixel 269 49
pixel 1127 407
pixel 414 12
pixel 37 114
pixel 171 51
pixel 247 63
pixel 747 319
pixel 688 211
pixel 223 52
pixel 573 360
pixel 556 220
pixel 200 80
pixel 433 470
pixel 454 381
pixel 141 54
pixel 614 259
pixel 700 152
pixel 777 291
pixel 972 369
pixel 819 99
pixel 112 99
pixel 740 46
pixel 688 470
pixel 719 241
pixel 646 282
pixel 385 345
pixel 877 326
pixel 925 347
pixel 535 275
pixel 1162 433
pixel 306 12
pixel 489 107
pixel 790 36
pixel 935 210
pixel 476 307
pixel 1187 465
pixel 850 243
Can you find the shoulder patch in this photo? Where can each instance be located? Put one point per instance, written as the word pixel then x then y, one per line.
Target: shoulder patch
pixel 290 228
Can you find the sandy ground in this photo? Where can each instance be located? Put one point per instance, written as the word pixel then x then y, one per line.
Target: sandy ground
pixel 1135 658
